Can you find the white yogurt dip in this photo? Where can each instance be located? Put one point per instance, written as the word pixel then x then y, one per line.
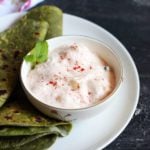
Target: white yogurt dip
pixel 72 77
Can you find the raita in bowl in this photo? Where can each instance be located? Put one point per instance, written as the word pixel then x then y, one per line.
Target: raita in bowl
pixel 79 79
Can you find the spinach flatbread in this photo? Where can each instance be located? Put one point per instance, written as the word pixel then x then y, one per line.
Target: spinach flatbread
pixel 14 44
pixel 53 15
pixel 39 144
pixel 19 112
pixel 18 141
pixel 62 129
pixel 9 142
pixel 21 125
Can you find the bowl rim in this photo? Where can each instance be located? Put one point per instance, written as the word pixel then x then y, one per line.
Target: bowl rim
pixel 104 100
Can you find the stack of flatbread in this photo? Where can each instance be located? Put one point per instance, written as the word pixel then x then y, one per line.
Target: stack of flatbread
pixel 21 125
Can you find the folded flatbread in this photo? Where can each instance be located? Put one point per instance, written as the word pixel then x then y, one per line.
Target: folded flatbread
pixel 52 14
pixel 14 44
pixel 22 127
pixel 21 124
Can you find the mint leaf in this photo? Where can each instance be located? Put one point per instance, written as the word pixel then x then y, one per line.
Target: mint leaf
pixel 38 54
pixel 41 49
pixel 30 58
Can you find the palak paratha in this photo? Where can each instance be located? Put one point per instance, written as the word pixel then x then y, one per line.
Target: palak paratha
pixel 14 44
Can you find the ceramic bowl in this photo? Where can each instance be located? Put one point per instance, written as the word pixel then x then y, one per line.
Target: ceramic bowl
pixel 100 49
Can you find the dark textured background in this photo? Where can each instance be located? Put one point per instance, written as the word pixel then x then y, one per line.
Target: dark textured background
pixel 129 21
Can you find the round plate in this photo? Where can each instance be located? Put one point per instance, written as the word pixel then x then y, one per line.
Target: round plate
pixel 97 132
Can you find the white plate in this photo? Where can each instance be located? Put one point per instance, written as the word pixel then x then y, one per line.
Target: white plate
pixel 97 132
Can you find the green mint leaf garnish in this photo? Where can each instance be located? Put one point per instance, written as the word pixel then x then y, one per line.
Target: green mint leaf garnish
pixel 38 54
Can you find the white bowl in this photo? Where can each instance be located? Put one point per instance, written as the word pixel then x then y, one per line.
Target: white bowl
pixel 105 53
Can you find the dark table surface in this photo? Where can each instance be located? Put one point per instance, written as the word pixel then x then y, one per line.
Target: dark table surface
pixel 129 21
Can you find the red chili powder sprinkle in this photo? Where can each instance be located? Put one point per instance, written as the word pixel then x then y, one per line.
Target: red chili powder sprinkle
pixel 53 83
pixel 82 69
pixel 89 93
pixel 76 67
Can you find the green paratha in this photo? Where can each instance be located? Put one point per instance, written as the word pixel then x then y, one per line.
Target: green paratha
pixel 18 141
pixel 53 15
pixel 14 44
pixel 19 112
pixel 37 144
pixel 21 131
pixel 62 130
pixel 21 125
pixel 9 142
